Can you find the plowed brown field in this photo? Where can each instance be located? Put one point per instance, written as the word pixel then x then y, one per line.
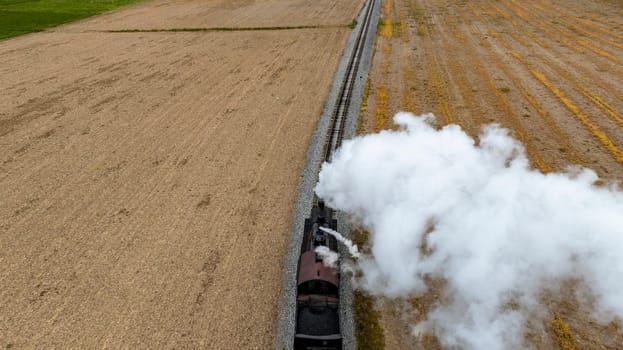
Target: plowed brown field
pixel 147 179
pixel 550 71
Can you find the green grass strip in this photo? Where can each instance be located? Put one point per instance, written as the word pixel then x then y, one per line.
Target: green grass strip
pixel 222 29
pixel 19 17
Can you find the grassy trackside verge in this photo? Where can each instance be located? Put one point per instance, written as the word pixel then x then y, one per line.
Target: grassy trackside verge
pixel 223 29
pixel 368 330
pixel 19 17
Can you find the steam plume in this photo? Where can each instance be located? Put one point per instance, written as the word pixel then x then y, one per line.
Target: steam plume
pixel 329 257
pixel 352 248
pixel 438 204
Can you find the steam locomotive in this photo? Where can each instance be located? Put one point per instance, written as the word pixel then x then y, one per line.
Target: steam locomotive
pixel 317 295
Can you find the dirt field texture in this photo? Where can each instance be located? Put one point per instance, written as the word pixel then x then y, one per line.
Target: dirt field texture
pixel 147 179
pixel 167 14
pixel 550 71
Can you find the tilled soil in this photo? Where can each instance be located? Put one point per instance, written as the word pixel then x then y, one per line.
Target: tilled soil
pixel 550 72
pixel 167 14
pixel 147 179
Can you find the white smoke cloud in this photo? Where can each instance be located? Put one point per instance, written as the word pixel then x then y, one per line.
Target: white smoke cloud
pixel 474 214
pixel 329 257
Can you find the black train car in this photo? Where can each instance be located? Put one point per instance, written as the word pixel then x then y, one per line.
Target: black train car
pixel 317 296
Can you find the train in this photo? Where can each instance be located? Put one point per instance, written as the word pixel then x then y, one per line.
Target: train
pixel 317 293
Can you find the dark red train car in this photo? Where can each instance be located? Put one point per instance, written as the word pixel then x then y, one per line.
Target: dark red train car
pixel 317 297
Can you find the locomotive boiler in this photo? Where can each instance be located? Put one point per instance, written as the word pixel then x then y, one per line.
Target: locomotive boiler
pixel 317 295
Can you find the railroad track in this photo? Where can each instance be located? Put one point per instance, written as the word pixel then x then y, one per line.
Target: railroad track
pixel 338 121
pixel 322 308
pixel 334 139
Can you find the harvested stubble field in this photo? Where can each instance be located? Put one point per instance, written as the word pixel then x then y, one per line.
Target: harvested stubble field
pixel 147 178
pixel 551 72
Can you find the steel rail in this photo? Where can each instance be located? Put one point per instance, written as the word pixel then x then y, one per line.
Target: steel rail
pixel 337 121
pixel 340 113
pixel 336 131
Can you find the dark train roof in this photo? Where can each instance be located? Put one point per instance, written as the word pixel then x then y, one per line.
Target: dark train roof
pixel 318 321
